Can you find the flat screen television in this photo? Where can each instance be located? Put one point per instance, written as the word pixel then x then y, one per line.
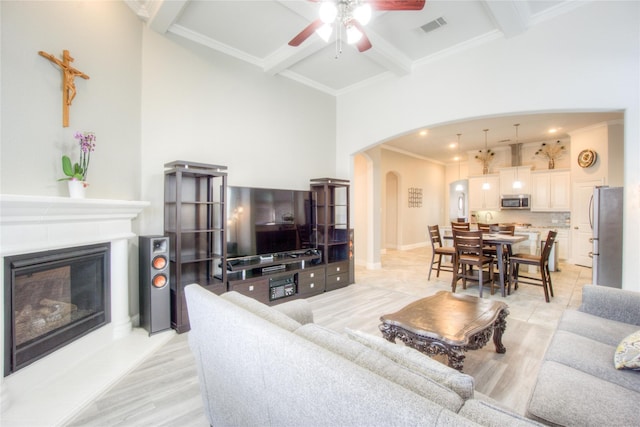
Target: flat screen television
pixel 264 221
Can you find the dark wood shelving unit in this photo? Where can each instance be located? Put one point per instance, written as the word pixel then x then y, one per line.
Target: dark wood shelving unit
pixel 332 231
pixel 195 221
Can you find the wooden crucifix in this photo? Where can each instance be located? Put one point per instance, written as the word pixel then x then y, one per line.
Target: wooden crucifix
pixel 68 81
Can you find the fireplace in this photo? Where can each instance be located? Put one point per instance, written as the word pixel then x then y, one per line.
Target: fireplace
pixel 53 298
pixel 52 389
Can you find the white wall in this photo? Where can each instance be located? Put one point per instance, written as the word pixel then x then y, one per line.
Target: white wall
pixel 593 138
pixel 559 65
pixel 413 172
pixel 104 38
pixel 206 107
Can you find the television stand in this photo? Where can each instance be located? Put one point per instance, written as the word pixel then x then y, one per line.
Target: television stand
pixel 253 276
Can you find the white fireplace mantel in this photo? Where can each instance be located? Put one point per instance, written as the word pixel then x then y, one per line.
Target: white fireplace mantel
pixel 85 367
pixel 33 223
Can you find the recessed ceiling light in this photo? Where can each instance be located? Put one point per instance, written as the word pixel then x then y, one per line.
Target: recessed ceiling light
pixel 453 145
pixel 423 133
pixel 553 130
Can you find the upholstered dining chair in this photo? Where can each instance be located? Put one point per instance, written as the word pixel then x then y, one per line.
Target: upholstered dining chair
pixel 470 261
pixel 509 230
pixel 507 251
pixel 440 251
pixel 460 226
pixel 485 228
pixel 541 261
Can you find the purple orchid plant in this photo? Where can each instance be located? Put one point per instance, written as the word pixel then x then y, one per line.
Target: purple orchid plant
pixel 78 171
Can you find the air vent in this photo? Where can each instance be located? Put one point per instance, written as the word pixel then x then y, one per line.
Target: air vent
pixel 434 25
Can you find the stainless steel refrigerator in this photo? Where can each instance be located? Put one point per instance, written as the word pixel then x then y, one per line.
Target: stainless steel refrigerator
pixel 606 223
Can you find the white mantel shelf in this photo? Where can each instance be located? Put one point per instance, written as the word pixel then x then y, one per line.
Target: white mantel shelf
pixel 57 222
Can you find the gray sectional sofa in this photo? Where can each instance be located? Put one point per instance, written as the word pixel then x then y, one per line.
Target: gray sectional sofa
pixel 260 366
pixel 577 384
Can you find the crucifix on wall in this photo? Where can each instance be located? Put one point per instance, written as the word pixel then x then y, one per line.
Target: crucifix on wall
pixel 69 75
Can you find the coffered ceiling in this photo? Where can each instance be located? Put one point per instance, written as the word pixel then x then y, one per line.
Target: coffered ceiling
pixel 258 33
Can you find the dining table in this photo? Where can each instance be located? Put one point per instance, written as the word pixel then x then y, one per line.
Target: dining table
pixel 501 241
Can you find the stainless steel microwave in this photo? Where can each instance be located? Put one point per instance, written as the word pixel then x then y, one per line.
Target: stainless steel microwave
pixel 515 201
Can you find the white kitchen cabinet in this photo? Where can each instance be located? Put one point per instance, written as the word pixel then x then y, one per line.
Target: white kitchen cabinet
pixel 484 199
pixel 551 191
pixel 562 244
pixel 517 173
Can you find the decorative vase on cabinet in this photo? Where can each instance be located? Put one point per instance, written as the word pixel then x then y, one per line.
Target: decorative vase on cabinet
pixel 195 222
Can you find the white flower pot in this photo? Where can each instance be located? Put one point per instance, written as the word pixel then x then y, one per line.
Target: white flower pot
pixel 77 189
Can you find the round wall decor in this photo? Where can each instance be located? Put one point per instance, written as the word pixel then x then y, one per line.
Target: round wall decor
pixel 587 158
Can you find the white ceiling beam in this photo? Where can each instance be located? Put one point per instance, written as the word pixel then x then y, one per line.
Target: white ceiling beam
pixel 386 55
pixel 287 56
pixel 165 14
pixel 511 17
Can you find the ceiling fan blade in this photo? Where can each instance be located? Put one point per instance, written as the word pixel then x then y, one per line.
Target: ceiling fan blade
pixel 397 4
pixel 364 43
pixel 306 33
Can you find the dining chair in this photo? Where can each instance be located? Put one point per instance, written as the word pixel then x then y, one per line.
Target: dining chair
pixel 486 228
pixel 541 261
pixel 461 226
pixel 507 251
pixel 470 260
pixel 439 250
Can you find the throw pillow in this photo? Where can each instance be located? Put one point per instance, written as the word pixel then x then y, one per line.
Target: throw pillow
pixel 627 354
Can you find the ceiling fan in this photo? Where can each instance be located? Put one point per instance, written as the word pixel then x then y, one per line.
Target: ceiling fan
pixel 351 15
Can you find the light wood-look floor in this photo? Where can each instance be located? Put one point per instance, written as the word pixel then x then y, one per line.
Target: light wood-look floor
pixel 163 390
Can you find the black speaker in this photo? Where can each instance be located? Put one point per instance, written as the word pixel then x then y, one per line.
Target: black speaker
pixel 155 296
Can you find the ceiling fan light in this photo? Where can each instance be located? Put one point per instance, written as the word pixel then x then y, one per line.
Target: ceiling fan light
pixel 353 34
pixel 362 13
pixel 325 32
pixel 328 12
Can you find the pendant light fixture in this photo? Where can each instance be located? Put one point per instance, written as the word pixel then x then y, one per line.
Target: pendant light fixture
pixel 459 186
pixel 486 185
pixel 517 184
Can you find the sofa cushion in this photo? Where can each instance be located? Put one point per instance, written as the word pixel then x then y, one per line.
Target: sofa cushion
pixel 261 310
pixel 566 396
pixel 381 365
pixel 627 354
pixel 599 329
pixel 299 310
pixel 412 359
pixel 488 414
pixel 591 357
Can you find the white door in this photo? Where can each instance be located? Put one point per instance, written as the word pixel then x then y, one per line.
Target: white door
pixel 581 231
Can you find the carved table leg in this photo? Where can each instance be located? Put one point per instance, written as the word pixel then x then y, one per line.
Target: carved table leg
pixel 387 332
pixel 498 329
pixel 456 357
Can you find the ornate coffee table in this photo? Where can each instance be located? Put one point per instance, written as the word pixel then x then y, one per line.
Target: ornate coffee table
pixel 448 324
